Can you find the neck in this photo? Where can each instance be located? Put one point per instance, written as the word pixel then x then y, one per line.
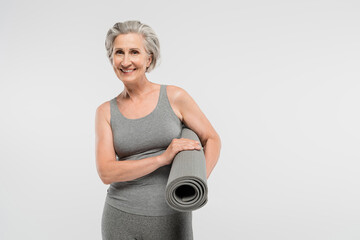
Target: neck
pixel 136 90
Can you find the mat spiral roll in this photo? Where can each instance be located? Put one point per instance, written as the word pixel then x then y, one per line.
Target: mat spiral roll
pixel 186 189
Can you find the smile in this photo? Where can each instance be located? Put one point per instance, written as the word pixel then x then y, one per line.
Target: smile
pixel 128 71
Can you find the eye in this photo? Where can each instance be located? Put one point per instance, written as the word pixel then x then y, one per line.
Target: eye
pixel 135 52
pixel 119 52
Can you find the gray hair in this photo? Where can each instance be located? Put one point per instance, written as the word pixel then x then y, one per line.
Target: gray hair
pixel 151 41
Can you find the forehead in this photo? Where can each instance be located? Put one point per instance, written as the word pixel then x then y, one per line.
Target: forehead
pixel 129 40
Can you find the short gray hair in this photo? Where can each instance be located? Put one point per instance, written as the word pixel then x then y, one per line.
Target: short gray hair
pixel 151 41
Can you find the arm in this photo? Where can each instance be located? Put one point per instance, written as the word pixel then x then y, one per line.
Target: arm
pixel 212 153
pixel 195 119
pixel 109 169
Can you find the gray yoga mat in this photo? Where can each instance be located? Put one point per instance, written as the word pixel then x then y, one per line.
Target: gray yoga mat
pixel 186 189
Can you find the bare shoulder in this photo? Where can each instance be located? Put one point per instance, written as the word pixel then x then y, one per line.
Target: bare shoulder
pixel 103 111
pixel 175 95
pixel 174 91
pixel 192 116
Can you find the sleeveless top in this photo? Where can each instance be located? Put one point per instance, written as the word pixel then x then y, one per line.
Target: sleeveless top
pixel 140 138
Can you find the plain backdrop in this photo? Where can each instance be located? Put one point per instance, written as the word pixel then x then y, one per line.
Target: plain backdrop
pixel 278 80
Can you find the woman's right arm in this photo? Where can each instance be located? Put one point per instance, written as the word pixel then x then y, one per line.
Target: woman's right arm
pixel 110 170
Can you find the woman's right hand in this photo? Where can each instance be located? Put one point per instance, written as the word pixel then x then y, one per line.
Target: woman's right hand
pixel 178 145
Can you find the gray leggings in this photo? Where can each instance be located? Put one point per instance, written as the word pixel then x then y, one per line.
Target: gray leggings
pixel 119 225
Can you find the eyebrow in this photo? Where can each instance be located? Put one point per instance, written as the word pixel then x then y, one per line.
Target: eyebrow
pixel 130 49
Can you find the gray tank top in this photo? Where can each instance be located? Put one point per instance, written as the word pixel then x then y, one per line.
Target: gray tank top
pixel 141 138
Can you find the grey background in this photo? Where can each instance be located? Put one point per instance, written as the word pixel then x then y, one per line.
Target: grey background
pixel 279 81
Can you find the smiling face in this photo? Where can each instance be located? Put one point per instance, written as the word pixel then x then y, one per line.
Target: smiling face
pixel 130 58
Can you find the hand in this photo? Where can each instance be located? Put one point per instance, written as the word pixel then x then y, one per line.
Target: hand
pixel 178 145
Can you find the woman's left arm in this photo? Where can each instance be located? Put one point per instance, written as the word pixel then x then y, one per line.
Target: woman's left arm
pixel 195 119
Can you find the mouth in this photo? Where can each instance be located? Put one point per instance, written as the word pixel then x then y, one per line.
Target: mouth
pixel 128 71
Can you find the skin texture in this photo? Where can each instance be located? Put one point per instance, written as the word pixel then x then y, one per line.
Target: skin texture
pixel 138 99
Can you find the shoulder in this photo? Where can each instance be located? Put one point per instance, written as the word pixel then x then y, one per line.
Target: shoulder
pixel 103 111
pixel 179 99
pixel 176 93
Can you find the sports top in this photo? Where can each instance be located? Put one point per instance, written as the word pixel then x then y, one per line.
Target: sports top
pixel 140 138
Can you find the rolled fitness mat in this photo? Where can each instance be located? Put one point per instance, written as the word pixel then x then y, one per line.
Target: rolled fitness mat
pixel 186 189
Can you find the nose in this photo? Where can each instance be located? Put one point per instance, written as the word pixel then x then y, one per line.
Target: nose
pixel 126 61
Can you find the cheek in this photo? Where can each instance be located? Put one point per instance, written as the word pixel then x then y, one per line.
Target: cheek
pixel 140 63
pixel 116 61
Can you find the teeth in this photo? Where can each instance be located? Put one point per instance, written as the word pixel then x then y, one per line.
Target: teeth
pixel 127 70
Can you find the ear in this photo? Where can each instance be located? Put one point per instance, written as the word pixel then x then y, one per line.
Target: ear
pixel 149 60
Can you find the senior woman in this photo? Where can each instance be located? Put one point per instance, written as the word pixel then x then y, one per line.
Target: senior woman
pixel 137 138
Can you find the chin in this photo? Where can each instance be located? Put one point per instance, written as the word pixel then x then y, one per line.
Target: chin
pixel 127 79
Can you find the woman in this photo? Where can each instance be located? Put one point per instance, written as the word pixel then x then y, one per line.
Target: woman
pixel 137 137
